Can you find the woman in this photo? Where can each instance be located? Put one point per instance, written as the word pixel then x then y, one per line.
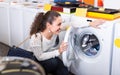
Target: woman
pixel 46 44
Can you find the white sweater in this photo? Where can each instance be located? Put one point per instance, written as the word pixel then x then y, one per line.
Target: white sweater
pixel 44 49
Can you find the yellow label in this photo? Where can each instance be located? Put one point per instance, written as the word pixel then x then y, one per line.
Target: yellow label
pixel 67 2
pixel 81 12
pixel 47 7
pixel 117 42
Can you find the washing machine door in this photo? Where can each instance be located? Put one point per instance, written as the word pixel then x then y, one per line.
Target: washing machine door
pixel 85 43
pixel 82 44
pixel 68 56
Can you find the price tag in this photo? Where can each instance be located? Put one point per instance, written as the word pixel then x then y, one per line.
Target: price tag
pixel 81 12
pixel 117 42
pixel 47 7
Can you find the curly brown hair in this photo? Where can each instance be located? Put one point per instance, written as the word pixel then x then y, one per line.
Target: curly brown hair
pixel 40 21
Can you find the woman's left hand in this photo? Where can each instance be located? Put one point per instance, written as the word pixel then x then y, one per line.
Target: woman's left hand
pixel 96 23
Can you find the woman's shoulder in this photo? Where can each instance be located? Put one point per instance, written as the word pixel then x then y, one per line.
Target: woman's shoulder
pixel 36 36
pixel 35 39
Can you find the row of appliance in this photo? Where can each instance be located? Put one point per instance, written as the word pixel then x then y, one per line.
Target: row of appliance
pixel 93 51
pixel 90 51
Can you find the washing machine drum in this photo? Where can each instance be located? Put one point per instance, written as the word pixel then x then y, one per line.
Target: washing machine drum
pixel 19 66
pixel 84 42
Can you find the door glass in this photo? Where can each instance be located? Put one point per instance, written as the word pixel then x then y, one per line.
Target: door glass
pixel 86 43
pixel 89 44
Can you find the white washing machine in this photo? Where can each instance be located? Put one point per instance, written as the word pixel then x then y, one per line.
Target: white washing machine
pixel 116 51
pixel 89 49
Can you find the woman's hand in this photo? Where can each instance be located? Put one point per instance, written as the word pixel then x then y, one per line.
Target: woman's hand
pixel 96 23
pixel 63 47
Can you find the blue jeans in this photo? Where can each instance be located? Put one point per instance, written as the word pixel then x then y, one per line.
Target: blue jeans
pixel 54 66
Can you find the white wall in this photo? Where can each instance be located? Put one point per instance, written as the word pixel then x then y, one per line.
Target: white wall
pixel 114 4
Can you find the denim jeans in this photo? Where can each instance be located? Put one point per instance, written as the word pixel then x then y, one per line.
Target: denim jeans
pixel 54 66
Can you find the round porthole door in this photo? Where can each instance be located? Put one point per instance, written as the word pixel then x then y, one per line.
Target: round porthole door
pixel 85 43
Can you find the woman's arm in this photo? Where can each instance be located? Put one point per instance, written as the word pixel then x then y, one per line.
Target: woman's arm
pixel 83 23
pixel 96 23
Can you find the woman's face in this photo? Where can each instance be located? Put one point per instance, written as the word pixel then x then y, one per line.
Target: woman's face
pixel 56 24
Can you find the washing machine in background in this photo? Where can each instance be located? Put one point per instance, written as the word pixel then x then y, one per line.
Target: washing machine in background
pixel 19 66
pixel 116 51
pixel 90 50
